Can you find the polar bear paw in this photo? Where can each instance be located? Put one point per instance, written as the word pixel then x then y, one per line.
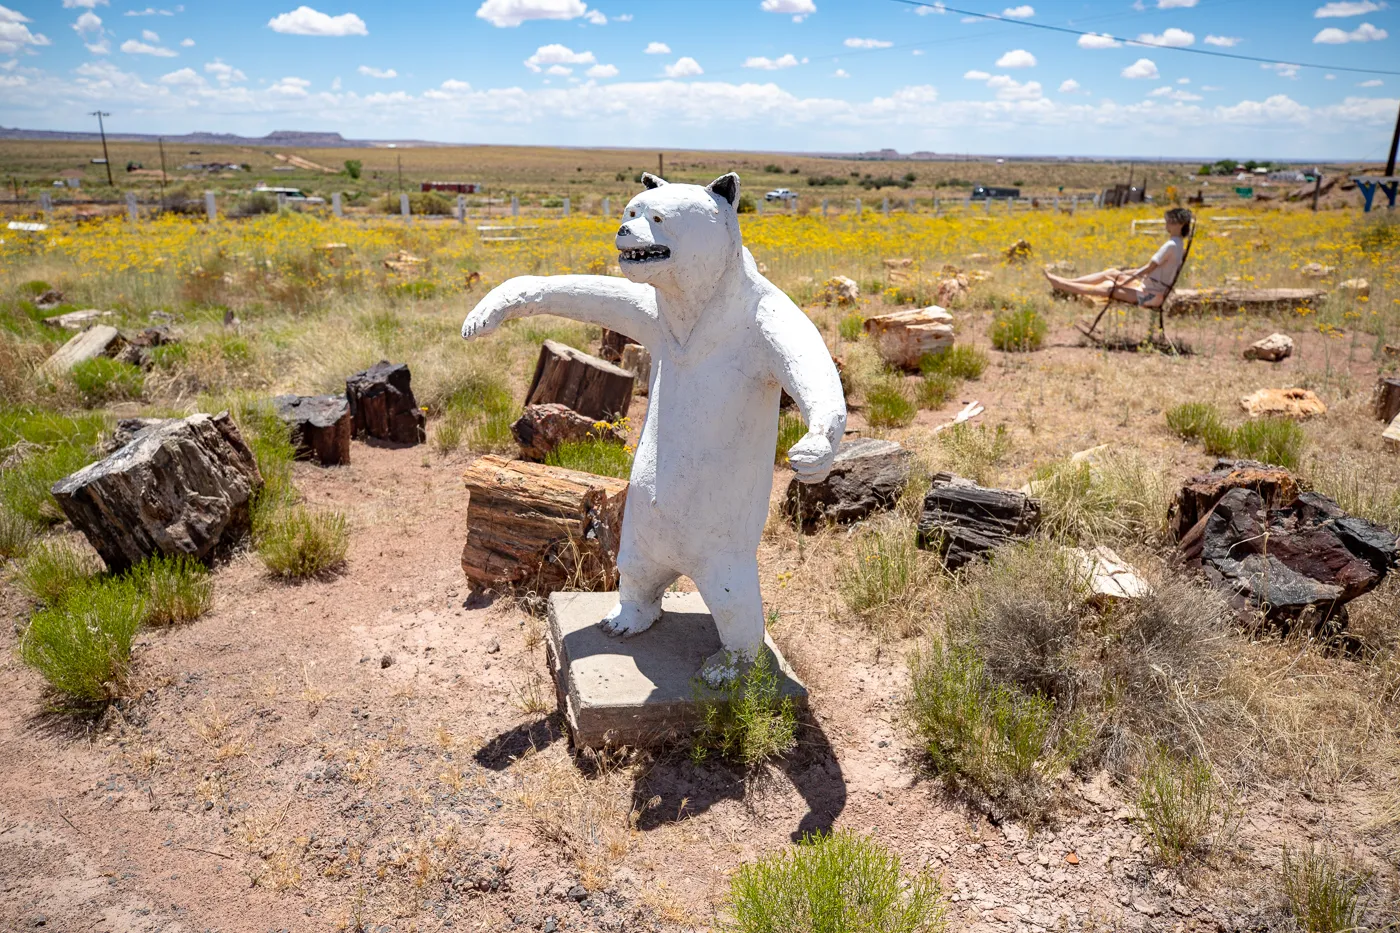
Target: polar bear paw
pixel 630 618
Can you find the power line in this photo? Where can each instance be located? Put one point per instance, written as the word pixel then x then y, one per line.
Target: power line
pixel 942 8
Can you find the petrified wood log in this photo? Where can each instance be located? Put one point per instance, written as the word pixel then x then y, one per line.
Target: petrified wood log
pixel 1242 300
pixel 542 428
pixel 903 337
pixel 962 520
pixel 1275 485
pixel 868 475
pixel 320 426
pixel 1385 398
pixel 179 488
pixel 382 404
pixel 536 528
pixel 637 359
pixel 590 386
pixel 98 340
pixel 613 344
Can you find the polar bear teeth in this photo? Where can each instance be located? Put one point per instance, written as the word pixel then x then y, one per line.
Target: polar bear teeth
pixel 646 253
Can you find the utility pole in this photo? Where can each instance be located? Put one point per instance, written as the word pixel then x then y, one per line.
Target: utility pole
pixel 1394 144
pixel 661 164
pixel 160 141
pixel 103 130
pixel 1317 185
pixel 400 161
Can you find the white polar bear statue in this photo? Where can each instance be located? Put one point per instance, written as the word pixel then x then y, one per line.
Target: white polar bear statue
pixel 724 342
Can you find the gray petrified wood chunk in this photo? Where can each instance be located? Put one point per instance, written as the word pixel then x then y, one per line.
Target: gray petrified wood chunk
pixel 641 691
pixel 867 476
pixel 98 340
pixel 382 405
pixel 182 487
pixel 320 426
pixel 962 520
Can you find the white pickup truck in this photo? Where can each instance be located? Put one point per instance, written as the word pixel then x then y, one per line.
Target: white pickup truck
pixel 780 194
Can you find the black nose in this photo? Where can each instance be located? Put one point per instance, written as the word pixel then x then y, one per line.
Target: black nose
pixel 622 230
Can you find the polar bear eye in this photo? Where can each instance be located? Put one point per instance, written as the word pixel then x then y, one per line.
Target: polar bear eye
pixel 631 213
pixel 655 218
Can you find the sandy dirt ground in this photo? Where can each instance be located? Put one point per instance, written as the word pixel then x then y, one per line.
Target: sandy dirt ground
pixel 378 750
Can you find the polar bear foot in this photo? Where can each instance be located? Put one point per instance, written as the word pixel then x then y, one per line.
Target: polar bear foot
pixel 630 618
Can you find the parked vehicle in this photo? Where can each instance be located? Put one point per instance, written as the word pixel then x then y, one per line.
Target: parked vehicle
pixel 780 194
pixel 293 195
pixel 983 192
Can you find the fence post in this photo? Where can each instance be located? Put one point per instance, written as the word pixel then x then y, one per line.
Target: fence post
pixel 607 207
pixel 211 207
pixel 823 207
pixel 935 205
pixel 131 206
pixel 514 205
pixel 336 207
pixel 857 208
pixel 566 207
pixel 45 202
pixel 1057 202
pixel 404 208
pixel 758 208
pixel 281 201
pixel 792 205
pixel 462 208
pixel 987 206
pixel 885 207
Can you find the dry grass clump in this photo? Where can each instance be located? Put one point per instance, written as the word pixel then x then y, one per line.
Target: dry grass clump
pixel 299 542
pixel 1116 496
pixel 888 405
pixel 52 568
pixel 589 817
pixel 886 581
pixel 1182 809
pixel 1323 890
pixel 178 589
pixel 974 450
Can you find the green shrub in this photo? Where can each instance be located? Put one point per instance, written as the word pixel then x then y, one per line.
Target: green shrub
pixel 791 429
pixel 1277 441
pixel 177 589
pixel 935 389
pixel 886 578
pixel 1218 439
pixel 840 883
pixel 101 379
pixel 24 486
pixel 1191 420
pixel 851 326
pixel 1322 891
pixel 82 645
pixel 419 291
pixel 296 543
pixel 1181 810
pixel 17 535
pixel 1018 331
pixel 251 205
pixel 983 737
pixel 594 455
pixel 1117 497
pixel 959 362
pixel 353 167
pixel 972 450
pixel 34 288
pixel 46 428
pixel 170 356
pixel 52 569
pixel 887 404
pixel 420 203
pixel 480 410
pixel 749 723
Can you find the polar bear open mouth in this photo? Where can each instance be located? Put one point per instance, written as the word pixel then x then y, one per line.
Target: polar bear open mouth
pixel 645 253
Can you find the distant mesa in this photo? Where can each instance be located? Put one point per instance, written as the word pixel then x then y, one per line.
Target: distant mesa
pixel 284 138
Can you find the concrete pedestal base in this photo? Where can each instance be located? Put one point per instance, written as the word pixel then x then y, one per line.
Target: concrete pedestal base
pixel 638 691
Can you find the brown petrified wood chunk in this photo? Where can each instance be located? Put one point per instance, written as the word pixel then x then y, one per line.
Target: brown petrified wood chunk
pixel 590 386
pixel 320 426
pixel 536 528
pixel 612 345
pixel 1385 399
pixel 903 337
pixel 962 520
pixel 182 487
pixel 1275 485
pixel 382 405
pixel 542 428
pixel 867 476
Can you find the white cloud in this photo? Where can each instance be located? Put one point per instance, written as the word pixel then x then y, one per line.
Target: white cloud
pixel 936 7
pixel 370 72
pixel 1329 77
pixel 14 35
pixel 685 67
pixel 1282 69
pixel 1016 58
pixel 1010 89
pixel 1142 68
pixel 1098 40
pixel 840 73
pixel 602 71
pixel 1363 33
pixel 656 48
pixel 152 11
pixel 88 24
pixel 150 35
pixel 1374 82
pixel 508 13
pixel 304 21
pixel 624 18
pixel 1171 38
pixel 456 86
pixel 83 4
pixel 100 47
pixel 556 54
pixel 916 52
pixel 596 18
pixel 1211 87
pixel 1175 4
pixel 186 43
pixel 975 75
pixel 1018 12
pixel 1227 42
pixel 1330 10
pixel 1069 86
pixel 867 44
pixel 185 77
pixel 224 74
pixel 771 64
pixel 1171 93
pixel 132 47
pixel 1183 80
pixel 290 87
pixel 800 9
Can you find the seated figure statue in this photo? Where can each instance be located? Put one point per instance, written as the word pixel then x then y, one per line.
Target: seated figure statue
pixel 724 343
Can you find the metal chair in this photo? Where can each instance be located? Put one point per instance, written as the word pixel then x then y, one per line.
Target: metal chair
pixel 1161 309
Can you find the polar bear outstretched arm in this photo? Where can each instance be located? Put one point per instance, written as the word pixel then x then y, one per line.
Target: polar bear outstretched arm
pixel 606 300
pixel 802 363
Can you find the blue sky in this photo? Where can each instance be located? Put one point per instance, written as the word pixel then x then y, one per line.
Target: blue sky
pixel 786 75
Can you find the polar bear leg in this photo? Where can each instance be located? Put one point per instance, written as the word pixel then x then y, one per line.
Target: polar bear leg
pixel 730 588
pixel 641 583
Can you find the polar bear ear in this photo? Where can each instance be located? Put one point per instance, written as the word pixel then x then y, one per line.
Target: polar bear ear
pixel 650 181
pixel 727 187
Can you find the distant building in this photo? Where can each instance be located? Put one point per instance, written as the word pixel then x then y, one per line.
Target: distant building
pixel 460 187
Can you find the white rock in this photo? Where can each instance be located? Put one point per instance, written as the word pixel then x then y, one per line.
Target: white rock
pixel 101 340
pixel 1391 435
pixel 76 320
pixel 1109 576
pixel 1271 349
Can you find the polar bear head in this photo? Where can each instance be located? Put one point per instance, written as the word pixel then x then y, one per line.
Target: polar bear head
pixel 681 238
